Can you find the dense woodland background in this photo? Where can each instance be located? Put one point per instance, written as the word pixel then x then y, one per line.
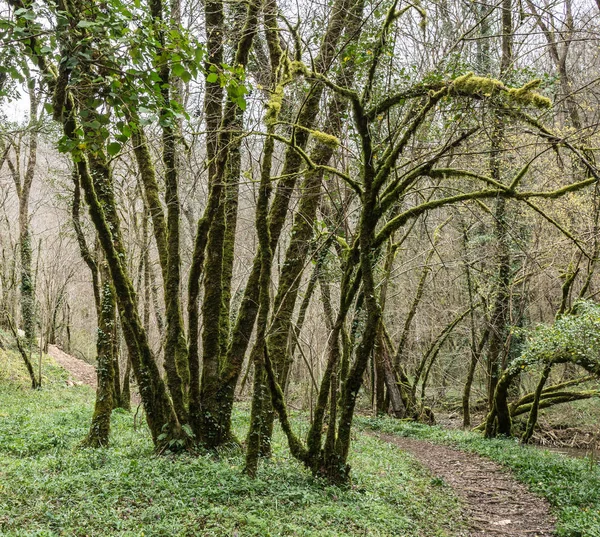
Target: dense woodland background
pixel 317 206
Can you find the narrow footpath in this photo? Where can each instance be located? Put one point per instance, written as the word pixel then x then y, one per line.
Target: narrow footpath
pixel 494 503
pixel 81 371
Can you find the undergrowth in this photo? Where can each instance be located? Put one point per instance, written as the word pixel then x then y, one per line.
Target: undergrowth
pixel 572 486
pixel 49 486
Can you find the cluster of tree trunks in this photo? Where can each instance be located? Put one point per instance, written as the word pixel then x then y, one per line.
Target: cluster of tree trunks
pixel 307 110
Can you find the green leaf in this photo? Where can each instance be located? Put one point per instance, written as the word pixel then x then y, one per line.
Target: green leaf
pixel 188 430
pixel 178 69
pixel 25 13
pixel 113 148
pixel 86 24
pixel 199 54
pixel 212 78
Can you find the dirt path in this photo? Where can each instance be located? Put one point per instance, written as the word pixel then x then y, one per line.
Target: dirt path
pixel 81 371
pixel 494 503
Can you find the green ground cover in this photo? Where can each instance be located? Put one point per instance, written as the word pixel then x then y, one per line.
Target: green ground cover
pixel 49 486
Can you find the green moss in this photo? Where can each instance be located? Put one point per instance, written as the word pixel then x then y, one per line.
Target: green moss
pixel 530 98
pixel 298 68
pixel 470 84
pixel 274 104
pixel 478 85
pixel 324 138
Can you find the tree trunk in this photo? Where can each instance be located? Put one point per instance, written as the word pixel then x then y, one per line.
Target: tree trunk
pixel 497 353
pixel 535 405
pixel 242 333
pixel 98 435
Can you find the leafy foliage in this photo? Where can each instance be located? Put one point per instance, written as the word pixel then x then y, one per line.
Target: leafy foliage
pixel 573 337
pixel 116 51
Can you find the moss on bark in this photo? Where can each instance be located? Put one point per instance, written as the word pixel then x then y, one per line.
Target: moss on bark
pixel 98 435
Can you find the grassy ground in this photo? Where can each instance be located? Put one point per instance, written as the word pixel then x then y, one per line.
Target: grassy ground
pixel 572 486
pixel 49 486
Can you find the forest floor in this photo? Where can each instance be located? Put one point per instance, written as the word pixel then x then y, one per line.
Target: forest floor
pixel 494 503
pixel 51 486
pixel 409 480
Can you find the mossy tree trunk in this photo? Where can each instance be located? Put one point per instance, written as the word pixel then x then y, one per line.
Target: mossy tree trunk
pixel 99 432
pixel 23 173
pixel 259 437
pixel 281 330
pixel 535 405
pixel 94 176
pixel 499 320
pixel 213 111
pixel 335 463
pixel 246 317
pixel 212 420
pixel 160 414
pixel 233 173
pixel 104 299
pixel 22 169
pixel 381 358
pixel 255 441
pixel 499 420
pixel 175 351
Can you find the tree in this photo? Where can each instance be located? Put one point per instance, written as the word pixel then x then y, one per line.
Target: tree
pixel 571 339
pixel 284 158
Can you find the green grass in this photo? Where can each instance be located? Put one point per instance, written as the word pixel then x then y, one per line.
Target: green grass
pixel 12 368
pixel 572 486
pixel 49 486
